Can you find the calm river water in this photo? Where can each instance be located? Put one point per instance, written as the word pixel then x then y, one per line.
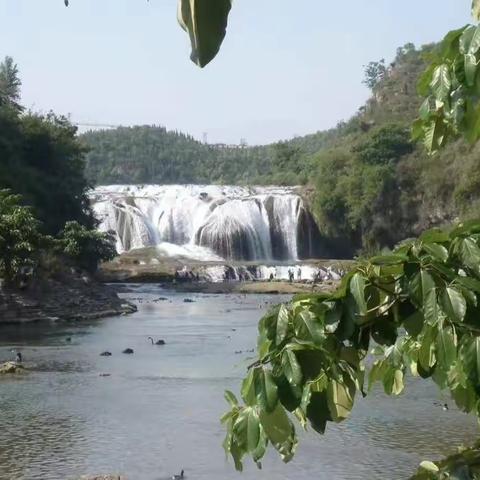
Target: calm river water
pixel 158 410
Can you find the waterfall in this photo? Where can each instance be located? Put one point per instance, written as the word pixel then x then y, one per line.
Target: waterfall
pixel 229 222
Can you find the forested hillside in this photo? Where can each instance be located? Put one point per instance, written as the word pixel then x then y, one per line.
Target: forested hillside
pixel 369 185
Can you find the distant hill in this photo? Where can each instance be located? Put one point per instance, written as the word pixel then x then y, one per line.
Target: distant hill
pixel 369 185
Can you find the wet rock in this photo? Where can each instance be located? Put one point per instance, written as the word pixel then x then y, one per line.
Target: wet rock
pixel 128 351
pixel 10 367
pixel 188 300
pixel 161 299
pixel 106 354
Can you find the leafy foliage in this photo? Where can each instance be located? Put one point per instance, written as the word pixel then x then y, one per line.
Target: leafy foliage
pixel 451 87
pixel 41 159
pixel 10 84
pixel 374 73
pixel 154 155
pixel 415 310
pixel 19 235
pixel 86 247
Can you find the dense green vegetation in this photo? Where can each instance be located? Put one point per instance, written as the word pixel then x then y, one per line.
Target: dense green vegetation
pixel 41 158
pixel 43 198
pixel 19 236
pixel 414 310
pixel 149 154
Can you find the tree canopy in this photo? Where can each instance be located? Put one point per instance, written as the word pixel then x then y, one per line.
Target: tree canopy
pixel 43 187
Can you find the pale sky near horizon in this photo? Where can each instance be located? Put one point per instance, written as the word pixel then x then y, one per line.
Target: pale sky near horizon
pixel 286 67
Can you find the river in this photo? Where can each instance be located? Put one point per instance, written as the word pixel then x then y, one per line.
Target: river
pixel 158 411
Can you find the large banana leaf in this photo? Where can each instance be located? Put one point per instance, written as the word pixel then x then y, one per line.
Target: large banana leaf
pixel 206 23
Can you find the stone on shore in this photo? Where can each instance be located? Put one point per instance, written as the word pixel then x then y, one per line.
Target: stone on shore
pixel 10 367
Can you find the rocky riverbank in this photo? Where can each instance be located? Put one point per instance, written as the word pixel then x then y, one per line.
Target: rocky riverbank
pixel 265 287
pixel 64 296
pixel 149 265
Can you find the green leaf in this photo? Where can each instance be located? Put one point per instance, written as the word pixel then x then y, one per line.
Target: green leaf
pixel 282 324
pixel 465 398
pixel 437 251
pixel 469 283
pixel 393 381
pixel 291 368
pixel 206 23
pixel 446 348
pixel 253 430
pixel 307 327
pixel 357 288
pixel 472 121
pixel 340 400
pixel 426 353
pixel 453 304
pixel 420 286
pixel 475 41
pixel 276 425
pixel 265 389
pixel 469 253
pixel 431 310
pixel 434 236
pixel 231 398
pixel 425 111
pixel 259 452
pixel 290 396
pixel 441 83
pixel 318 412
pixel 240 429
pixel 414 324
pixel 466 39
pixel 388 260
pixel 434 135
pixel 471 359
pixel 470 69
pixel 248 389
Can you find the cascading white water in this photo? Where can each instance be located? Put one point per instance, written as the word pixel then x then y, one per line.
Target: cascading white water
pixel 233 223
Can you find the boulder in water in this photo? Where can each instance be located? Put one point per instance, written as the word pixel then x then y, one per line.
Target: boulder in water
pixel 188 300
pixel 10 367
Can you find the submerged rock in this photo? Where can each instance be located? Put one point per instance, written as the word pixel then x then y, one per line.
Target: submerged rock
pixel 11 367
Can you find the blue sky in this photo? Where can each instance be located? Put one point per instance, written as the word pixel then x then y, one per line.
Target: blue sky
pixel 287 67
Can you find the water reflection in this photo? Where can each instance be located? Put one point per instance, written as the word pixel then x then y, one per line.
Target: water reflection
pixel 158 410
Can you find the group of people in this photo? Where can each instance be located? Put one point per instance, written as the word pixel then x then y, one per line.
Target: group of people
pixel 291 274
